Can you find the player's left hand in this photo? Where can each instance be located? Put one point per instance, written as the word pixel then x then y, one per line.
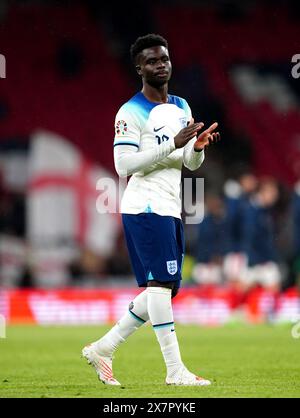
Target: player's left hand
pixel 207 137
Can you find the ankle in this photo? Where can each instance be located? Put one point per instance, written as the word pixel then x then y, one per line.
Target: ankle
pixel 174 371
pixel 105 347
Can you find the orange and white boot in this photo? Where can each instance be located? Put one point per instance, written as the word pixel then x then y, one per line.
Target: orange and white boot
pixel 101 364
pixel 185 378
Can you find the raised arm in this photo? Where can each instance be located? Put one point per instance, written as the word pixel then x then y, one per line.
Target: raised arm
pixel 193 155
pixel 127 157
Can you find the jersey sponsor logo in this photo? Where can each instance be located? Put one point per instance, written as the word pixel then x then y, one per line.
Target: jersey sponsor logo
pixel 172 267
pixel 158 129
pixel 121 127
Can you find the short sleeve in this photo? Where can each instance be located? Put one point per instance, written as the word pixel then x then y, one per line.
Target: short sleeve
pixel 127 129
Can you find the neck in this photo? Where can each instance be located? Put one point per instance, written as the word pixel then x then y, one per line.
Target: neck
pixel 156 94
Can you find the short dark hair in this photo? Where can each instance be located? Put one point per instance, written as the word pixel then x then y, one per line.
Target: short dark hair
pixel 146 41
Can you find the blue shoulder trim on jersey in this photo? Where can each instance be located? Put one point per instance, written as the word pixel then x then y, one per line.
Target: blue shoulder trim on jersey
pixel 179 102
pixel 142 106
pixel 126 143
pixel 138 103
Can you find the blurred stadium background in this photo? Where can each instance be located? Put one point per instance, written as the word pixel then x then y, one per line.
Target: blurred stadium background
pixel 67 73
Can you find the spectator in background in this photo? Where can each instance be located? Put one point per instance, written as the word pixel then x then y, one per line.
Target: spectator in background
pixel 296 231
pixel 88 266
pixel 12 212
pixel 214 241
pixel 118 263
pixel 257 238
pixel 237 195
pixel 12 243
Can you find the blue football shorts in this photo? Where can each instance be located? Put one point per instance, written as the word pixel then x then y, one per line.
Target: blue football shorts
pixel 156 247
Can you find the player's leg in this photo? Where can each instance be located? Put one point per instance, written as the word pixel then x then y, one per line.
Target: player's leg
pixel 161 317
pixel 135 316
pixel 164 281
pixel 100 353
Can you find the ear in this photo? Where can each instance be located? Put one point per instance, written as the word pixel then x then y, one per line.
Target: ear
pixel 138 69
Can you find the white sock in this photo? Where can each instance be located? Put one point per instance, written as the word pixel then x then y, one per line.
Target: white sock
pixel 161 316
pixel 136 316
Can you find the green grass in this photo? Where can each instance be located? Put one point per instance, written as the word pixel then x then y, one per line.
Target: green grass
pixel 241 361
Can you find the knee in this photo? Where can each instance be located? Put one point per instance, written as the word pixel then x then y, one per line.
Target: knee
pixel 168 285
pixel 156 283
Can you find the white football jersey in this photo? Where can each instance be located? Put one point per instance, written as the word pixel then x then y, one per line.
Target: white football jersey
pixel 142 125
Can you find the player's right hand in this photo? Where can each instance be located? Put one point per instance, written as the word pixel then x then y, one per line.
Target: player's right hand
pixel 187 133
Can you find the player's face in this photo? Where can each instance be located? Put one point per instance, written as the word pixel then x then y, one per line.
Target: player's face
pixel 155 66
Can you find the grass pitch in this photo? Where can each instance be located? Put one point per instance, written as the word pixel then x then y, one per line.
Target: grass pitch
pixel 241 361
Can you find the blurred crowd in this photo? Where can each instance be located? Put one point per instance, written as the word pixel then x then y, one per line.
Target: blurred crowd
pixel 249 236
pixel 50 234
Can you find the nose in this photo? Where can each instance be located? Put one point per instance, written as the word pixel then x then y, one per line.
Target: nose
pixel 161 65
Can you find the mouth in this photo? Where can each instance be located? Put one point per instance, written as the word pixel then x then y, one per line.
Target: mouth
pixel 162 74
